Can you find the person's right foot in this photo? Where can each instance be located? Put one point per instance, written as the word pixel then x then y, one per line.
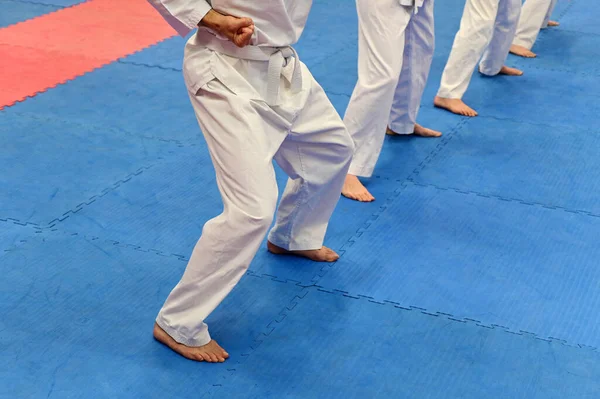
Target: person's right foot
pixel 322 254
pixel 355 190
pixel 510 71
pixel 454 105
pixel 211 352
pixel 418 131
pixel 522 51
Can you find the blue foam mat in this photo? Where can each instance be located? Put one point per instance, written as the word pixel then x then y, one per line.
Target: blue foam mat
pixel 561 50
pixel 14 11
pixel 12 234
pixel 38 185
pixel 319 348
pixel 474 253
pixel 581 16
pixel 134 99
pixel 532 163
pixel 81 323
pixel 500 262
pixel 56 3
pixel 167 214
pixel 534 97
pixel 166 54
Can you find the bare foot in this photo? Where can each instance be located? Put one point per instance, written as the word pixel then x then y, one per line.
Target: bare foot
pixel 510 71
pixel 424 132
pixel 323 254
pixel 354 189
pixel 419 131
pixel 211 352
pixel 522 51
pixel 553 23
pixel 454 105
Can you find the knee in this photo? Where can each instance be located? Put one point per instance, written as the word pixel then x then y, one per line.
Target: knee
pixel 376 72
pixel 383 79
pixel 481 31
pixel 346 146
pixel 255 214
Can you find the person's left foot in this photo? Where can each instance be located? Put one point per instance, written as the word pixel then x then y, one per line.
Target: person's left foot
pixel 553 23
pixel 510 71
pixel 323 254
pixel 522 51
pixel 418 131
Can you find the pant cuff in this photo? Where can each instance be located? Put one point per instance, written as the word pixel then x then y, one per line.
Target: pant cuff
pixel 442 93
pixel 487 71
pixel 522 43
pixel 402 128
pixel 361 171
pixel 294 245
pixel 173 333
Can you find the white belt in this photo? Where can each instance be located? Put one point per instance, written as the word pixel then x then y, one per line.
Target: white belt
pixel 412 3
pixel 276 56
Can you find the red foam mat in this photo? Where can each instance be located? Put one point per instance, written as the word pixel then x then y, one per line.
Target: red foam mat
pixel 48 50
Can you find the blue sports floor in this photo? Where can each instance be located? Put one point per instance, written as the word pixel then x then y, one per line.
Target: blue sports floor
pixel 475 274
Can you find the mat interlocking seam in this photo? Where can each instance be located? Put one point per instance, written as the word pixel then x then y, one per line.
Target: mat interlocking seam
pixel 52 224
pixel 40 4
pixel 118 131
pixel 60 8
pixel 356 236
pixel 72 59
pixel 141 64
pixel 508 199
pixel 65 81
pixel 453 318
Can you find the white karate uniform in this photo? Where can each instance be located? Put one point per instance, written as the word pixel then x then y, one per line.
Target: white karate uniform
pixel 254 105
pixel 395 49
pixel 549 14
pixel 487 29
pixel 535 15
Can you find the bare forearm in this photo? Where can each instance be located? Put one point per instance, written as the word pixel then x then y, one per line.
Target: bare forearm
pixel 238 30
pixel 213 20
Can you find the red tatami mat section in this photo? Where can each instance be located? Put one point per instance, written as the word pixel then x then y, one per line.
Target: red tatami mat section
pixel 42 52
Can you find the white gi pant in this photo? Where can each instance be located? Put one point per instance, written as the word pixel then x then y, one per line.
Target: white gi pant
pixel 306 137
pixel 535 15
pixel 395 50
pixel 487 29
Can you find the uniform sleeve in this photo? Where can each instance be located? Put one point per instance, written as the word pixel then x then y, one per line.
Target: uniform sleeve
pixel 182 15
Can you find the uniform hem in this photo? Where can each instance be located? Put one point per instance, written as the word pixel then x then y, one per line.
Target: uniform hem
pixel 173 333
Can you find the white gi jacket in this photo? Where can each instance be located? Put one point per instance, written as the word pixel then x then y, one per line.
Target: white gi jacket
pixel 277 23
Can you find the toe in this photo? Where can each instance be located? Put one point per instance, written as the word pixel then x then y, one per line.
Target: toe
pixel 213 357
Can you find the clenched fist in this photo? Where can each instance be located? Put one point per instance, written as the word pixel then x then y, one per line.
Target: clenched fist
pixel 238 30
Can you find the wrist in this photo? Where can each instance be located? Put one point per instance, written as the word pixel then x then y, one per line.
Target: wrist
pixel 213 20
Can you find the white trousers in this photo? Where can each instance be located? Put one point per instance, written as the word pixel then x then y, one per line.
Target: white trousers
pixel 535 15
pixel 395 50
pixel 486 30
pixel 306 137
